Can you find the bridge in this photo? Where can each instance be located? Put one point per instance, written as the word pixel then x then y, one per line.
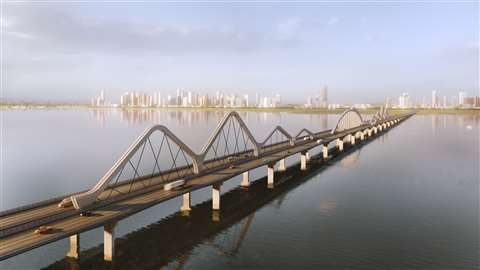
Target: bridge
pixel 158 166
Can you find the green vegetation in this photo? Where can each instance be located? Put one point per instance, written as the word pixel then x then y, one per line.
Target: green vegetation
pixel 290 109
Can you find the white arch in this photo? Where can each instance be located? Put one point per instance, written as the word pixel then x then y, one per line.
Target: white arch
pixel 218 130
pixel 349 119
pixel 85 199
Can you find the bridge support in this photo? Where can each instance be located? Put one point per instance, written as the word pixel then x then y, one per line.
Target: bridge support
pixel 245 179
pixel 186 202
pixel 74 246
pixel 216 196
pixel 362 135
pixel 303 161
pixel 281 165
pixel 369 132
pixel 109 241
pixel 270 174
pixel 339 144
pixel 307 155
pixel 325 151
pixel 375 130
pixel 352 140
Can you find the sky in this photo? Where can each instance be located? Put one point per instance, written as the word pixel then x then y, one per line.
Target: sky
pixel 363 52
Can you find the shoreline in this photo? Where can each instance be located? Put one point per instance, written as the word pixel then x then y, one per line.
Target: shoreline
pixel 8 107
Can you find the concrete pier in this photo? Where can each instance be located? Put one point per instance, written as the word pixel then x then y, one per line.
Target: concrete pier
pixel 186 202
pixel 109 241
pixel 362 136
pixel 307 155
pixel 369 132
pixel 325 151
pixel 303 161
pixel 281 165
pixel 245 179
pixel 339 143
pixel 216 196
pixel 74 246
pixel 270 174
pixel 352 140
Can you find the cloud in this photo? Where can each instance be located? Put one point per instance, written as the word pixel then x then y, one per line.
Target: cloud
pixel 333 20
pixel 288 29
pixel 59 31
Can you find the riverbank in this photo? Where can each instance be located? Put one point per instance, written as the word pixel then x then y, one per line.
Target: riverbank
pixel 249 109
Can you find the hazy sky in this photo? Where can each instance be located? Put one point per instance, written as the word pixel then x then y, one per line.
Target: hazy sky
pixel 362 51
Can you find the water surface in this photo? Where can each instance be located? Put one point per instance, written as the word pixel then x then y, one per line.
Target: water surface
pixel 408 199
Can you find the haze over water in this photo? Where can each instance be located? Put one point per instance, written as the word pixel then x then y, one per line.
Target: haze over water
pixel 408 199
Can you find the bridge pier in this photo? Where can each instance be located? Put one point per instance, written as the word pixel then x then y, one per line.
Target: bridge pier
pixel 281 165
pixel 216 196
pixel 186 202
pixel 270 174
pixel 339 144
pixel 307 156
pixel 303 161
pixel 369 132
pixel 325 151
pixel 109 241
pixel 74 246
pixel 352 140
pixel 362 135
pixel 245 179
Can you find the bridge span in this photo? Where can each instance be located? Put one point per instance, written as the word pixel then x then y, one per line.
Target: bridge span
pixel 158 159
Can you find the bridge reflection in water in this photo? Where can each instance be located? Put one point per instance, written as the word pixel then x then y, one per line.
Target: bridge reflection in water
pixel 141 249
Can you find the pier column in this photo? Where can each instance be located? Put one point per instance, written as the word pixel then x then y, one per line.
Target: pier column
pixel 281 165
pixel 362 135
pixel 369 132
pixel 325 151
pixel 339 144
pixel 352 140
pixel 307 156
pixel 74 246
pixel 245 179
pixel 186 202
pixel 375 130
pixel 216 196
pixel 270 174
pixel 109 241
pixel 303 161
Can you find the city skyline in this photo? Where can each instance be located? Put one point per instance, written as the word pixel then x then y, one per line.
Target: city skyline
pixel 363 53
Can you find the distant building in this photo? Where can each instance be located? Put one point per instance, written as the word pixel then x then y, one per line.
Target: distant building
pixel 434 99
pixel 323 98
pixel 404 101
pixel 461 98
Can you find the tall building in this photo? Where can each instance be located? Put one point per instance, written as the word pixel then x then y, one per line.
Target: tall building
pixel 461 98
pixel 434 99
pixel 323 99
pixel 404 101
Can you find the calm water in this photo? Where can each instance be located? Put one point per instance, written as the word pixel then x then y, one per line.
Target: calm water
pixel 408 199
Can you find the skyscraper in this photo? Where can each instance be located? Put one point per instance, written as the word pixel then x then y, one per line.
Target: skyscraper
pixel 323 99
pixel 434 99
pixel 461 98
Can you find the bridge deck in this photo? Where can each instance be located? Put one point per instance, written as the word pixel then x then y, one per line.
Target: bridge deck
pixel 17 228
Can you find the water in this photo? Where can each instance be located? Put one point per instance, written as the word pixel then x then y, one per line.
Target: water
pixel 408 199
